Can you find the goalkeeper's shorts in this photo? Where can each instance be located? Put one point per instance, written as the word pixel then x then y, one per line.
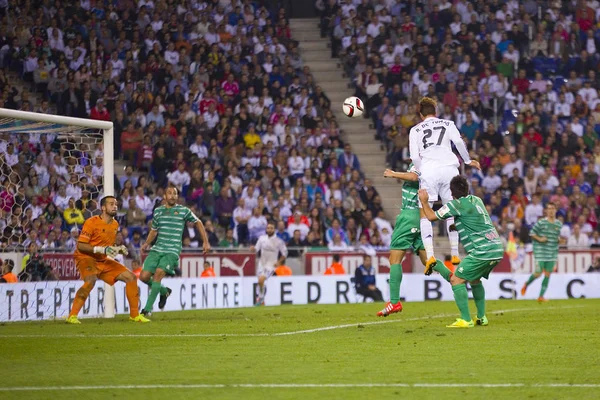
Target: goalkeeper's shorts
pixel 106 270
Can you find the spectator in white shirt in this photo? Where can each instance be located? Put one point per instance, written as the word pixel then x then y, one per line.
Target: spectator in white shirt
pixel 295 163
pixel 492 181
pixel 337 244
pixel 250 196
pixel 36 210
pixel 198 148
pixel 211 116
pixel 236 181
pixel 297 225
pixel 98 168
pixel 578 240
pixel 257 225
pixel 562 108
pixel 61 199
pixel 143 201
pixel 74 188
pixel 171 54
pixel 533 210
pixel 10 156
pixel 180 177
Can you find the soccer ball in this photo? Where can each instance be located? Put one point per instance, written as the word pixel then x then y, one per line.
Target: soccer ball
pixel 353 107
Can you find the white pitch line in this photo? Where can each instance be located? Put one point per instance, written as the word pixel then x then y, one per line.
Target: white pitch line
pixel 299 332
pixel 297 386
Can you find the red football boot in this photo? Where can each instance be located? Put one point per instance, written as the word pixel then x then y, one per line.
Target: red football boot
pixel 390 309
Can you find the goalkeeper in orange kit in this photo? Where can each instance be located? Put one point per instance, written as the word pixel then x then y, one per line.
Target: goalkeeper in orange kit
pixel 93 260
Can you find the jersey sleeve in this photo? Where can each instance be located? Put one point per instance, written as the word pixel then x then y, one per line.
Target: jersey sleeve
pixel 537 229
pixel 283 248
pixel 459 143
pixel 258 245
pixel 87 232
pixel 414 150
pixel 191 217
pixel 154 224
pixel 451 209
pixel 413 169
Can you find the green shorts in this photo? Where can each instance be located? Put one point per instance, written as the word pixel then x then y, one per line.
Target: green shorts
pixel 472 269
pixel 407 232
pixel 541 266
pixel 165 261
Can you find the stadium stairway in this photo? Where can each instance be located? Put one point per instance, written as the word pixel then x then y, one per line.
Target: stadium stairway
pixel 328 74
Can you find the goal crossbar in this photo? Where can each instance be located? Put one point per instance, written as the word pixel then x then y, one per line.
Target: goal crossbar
pixel 15 121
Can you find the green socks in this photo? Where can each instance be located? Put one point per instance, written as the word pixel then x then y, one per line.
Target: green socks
pixel 531 279
pixel 152 296
pixel 544 285
pixel 461 297
pixel 479 297
pixel 442 270
pixel 163 289
pixel 395 281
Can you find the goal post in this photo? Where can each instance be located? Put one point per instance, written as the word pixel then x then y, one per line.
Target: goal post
pixel 77 129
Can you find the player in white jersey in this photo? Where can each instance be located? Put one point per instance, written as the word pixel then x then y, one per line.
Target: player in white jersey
pixel 431 153
pixel 271 251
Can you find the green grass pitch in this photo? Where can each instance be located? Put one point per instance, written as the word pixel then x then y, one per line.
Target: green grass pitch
pixel 529 351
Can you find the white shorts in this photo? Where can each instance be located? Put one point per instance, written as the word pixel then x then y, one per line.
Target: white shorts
pixel 265 270
pixel 437 183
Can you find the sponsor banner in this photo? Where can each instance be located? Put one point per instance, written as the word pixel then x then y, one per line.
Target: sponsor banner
pixel 317 262
pixel 49 300
pixel 225 264
pixel 63 264
pixel 569 261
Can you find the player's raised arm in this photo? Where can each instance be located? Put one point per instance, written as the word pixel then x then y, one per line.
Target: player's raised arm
pixel 460 145
pixel 427 210
pixel 409 176
pixel 414 149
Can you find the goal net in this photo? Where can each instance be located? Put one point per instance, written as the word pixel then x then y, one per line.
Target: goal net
pixel 53 172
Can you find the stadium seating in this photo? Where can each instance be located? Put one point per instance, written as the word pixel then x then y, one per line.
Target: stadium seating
pixel 459 42
pixel 221 105
pixel 215 102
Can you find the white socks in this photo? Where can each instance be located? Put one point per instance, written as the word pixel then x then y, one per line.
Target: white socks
pixel 427 236
pixel 453 236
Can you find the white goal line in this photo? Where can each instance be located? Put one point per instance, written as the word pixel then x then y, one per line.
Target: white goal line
pixel 290 333
pixel 298 386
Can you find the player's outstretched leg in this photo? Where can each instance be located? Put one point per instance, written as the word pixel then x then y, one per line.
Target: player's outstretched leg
pixel 165 292
pixel 440 268
pixel 394 305
pixel 154 290
pixel 545 282
pixel 82 294
pixel 453 237
pixel 479 297
pixel 532 278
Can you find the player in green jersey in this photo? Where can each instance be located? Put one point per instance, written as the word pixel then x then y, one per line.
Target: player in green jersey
pixel 406 235
pixel 546 238
pixel 168 223
pixel 481 242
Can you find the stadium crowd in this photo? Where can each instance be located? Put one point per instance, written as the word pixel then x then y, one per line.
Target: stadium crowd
pixel 520 80
pixel 213 98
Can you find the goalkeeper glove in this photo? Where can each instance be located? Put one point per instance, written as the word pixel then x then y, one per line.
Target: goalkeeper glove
pixel 111 251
